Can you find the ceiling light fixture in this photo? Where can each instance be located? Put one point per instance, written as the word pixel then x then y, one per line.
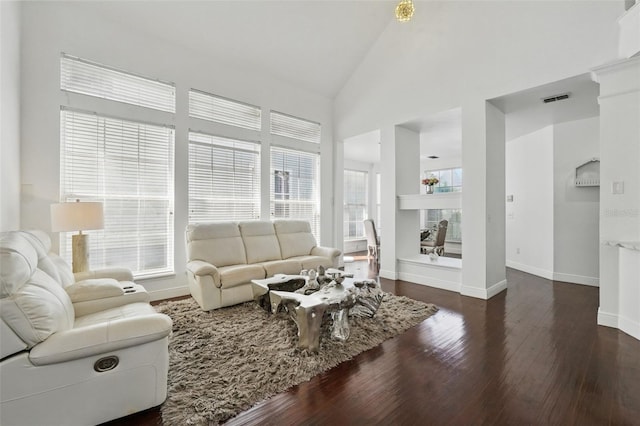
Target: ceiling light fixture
pixel 404 10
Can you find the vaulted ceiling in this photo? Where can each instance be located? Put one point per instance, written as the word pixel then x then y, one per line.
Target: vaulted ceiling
pixel 315 45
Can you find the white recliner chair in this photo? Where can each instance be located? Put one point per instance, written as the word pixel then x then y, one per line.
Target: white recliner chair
pixel 74 352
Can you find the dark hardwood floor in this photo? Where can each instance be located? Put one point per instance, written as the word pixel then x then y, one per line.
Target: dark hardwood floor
pixel 531 355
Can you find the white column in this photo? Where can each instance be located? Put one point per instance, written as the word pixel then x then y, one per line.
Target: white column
pixel 483 200
pixel 400 151
pixel 619 185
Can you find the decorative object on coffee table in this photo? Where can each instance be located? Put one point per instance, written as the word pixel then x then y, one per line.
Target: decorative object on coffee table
pixel 307 308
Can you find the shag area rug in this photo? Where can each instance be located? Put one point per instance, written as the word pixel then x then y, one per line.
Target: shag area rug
pixel 224 361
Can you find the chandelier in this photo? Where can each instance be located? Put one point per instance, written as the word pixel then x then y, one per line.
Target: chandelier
pixel 404 10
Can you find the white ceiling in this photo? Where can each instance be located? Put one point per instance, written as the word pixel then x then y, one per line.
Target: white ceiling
pixel 315 45
pixel 525 111
pixel 441 135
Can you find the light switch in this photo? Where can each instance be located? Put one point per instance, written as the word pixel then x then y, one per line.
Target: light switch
pixel 617 187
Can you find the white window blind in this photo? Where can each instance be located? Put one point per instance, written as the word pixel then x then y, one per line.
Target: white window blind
pixel 129 167
pixel 355 203
pixel 293 127
pixel 89 78
pixel 222 110
pixel 295 186
pixel 224 178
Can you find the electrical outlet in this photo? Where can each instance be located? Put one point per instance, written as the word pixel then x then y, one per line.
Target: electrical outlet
pixel 518 250
pixel 617 187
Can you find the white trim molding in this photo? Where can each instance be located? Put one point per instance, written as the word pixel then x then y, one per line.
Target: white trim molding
pixel 530 269
pixel 607 319
pixel 576 279
pixel 629 326
pixel 390 275
pixel 485 294
pixel 430 281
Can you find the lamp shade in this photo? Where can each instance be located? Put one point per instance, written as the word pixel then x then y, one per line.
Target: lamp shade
pixel 76 216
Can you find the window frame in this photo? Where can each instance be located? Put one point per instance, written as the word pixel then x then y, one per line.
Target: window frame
pixel 363 206
pixel 103 245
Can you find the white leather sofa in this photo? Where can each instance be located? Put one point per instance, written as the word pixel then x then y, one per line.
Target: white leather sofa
pixel 223 257
pixel 74 352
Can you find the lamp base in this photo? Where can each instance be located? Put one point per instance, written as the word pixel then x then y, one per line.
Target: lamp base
pixel 80 252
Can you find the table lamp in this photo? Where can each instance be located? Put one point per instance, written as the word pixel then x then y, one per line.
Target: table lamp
pixel 77 217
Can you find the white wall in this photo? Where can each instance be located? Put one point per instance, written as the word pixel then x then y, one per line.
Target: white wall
pixel 553 223
pixel 459 54
pixel 576 209
pixel 619 212
pixel 529 223
pixel 9 115
pixel 51 28
pixel 451 51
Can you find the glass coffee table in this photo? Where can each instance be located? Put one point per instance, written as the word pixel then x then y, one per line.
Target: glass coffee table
pixel 335 299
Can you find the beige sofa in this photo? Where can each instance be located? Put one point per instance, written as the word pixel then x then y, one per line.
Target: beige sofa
pixel 223 257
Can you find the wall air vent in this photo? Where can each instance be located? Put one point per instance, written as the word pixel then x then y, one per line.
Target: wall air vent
pixel 554 98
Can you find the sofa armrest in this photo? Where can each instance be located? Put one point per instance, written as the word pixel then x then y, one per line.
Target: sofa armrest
pixel 118 274
pixel 328 252
pixel 100 338
pixel 201 268
pixel 92 289
pixel 87 301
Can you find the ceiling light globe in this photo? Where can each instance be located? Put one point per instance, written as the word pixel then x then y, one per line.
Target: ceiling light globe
pixel 404 10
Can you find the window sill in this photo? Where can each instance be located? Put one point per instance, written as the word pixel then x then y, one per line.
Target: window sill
pixel 152 276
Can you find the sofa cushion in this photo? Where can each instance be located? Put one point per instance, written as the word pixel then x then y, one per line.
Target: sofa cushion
pixel 312 262
pixel 42 244
pixel 218 243
pixel 288 266
pixel 295 237
pixel 18 261
pixel 66 274
pixel 33 305
pixel 260 241
pixel 235 275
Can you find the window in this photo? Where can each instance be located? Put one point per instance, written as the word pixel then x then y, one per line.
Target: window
pixel 355 203
pixel 295 128
pixel 295 186
pixel 430 219
pixel 222 110
pixel 89 78
pixel 224 178
pixel 450 180
pixel 128 166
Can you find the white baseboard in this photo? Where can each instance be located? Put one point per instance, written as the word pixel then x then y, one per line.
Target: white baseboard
pixel 430 281
pixel 576 279
pixel 626 325
pixel 484 293
pixel 390 275
pixel 530 269
pixel 555 276
pixel 629 326
pixel 496 288
pixel 168 293
pixel 607 319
